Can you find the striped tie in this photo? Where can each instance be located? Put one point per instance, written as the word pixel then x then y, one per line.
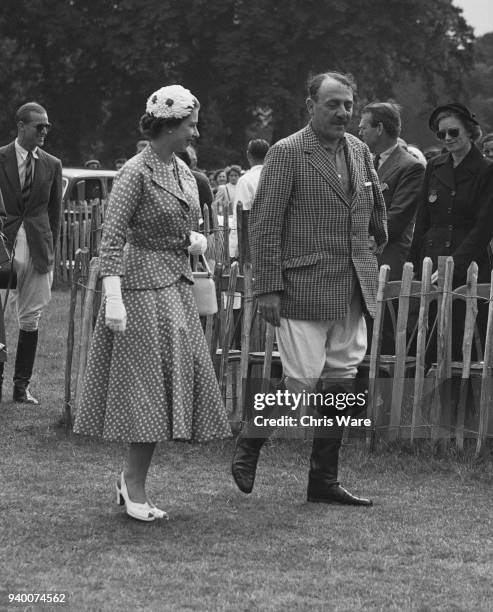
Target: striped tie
pixel 26 189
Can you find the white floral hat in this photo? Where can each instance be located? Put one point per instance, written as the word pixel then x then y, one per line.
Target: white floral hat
pixel 171 102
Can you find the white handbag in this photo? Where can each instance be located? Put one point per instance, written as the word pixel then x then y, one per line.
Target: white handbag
pixel 204 290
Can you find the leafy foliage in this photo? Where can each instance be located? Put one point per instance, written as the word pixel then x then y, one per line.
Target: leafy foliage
pixel 93 64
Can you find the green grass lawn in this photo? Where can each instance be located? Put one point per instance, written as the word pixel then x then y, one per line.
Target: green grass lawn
pixel 426 545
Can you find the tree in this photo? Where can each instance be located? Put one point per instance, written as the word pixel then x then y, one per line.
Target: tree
pixel 481 83
pixel 93 64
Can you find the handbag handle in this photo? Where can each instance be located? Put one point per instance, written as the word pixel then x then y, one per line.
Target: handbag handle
pixel 201 257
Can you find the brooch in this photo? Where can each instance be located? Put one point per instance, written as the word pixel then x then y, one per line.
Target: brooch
pixel 432 197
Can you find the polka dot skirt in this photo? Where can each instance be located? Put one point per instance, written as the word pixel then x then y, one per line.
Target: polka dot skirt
pixel 155 382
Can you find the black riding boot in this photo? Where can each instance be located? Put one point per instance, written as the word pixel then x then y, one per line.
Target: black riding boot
pixel 24 362
pixel 323 485
pixel 244 464
pixel 248 444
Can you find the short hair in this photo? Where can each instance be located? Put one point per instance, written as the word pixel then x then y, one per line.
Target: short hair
pixel 233 168
pixel 257 149
pixel 151 127
pixel 23 113
pixel 471 127
pixel 386 113
pixel 314 82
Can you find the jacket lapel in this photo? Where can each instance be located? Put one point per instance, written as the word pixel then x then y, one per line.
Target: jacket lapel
pixel 12 171
pixel 444 171
pixel 320 160
pixel 162 177
pixel 389 165
pixel 356 173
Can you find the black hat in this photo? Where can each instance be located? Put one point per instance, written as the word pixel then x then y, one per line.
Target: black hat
pixel 456 108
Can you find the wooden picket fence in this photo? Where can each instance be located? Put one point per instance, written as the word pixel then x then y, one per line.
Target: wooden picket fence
pixel 408 398
pixel 81 228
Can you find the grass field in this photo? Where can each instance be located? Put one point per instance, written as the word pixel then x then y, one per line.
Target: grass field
pixel 426 545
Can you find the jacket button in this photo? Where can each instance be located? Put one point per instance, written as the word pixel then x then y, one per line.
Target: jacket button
pixel 452 193
pixel 447 244
pixel 451 227
pixel 449 210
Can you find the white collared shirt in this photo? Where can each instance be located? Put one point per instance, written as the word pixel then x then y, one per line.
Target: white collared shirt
pixel 246 188
pixel 386 154
pixel 21 155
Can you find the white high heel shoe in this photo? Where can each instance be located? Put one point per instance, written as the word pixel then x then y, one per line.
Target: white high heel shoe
pixel 142 512
pixel 158 513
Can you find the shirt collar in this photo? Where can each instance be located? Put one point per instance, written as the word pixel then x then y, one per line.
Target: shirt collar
pixel 387 153
pixel 334 150
pixel 23 152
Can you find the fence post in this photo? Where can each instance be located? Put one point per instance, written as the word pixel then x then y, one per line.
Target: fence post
pixel 471 314
pixel 80 272
pixel 423 325
pixel 373 381
pixel 486 400
pixel 86 330
pixel 442 396
pixel 398 381
pixel 228 328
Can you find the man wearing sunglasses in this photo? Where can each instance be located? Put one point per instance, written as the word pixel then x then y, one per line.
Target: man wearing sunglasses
pixel 31 184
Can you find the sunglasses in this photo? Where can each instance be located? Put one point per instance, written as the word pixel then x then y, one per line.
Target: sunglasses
pixel 452 132
pixel 39 127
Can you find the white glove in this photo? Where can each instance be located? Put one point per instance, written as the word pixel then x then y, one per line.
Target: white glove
pixel 116 315
pixel 198 244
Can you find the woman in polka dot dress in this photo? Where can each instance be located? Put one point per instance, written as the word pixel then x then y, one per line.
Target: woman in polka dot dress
pixel 150 377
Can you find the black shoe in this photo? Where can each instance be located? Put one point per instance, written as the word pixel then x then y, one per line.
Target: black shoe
pixel 23 396
pixel 23 368
pixel 244 464
pixel 335 494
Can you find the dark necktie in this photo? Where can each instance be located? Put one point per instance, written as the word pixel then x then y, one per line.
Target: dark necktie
pixel 376 161
pixel 28 180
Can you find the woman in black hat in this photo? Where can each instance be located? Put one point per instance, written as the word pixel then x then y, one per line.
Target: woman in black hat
pixel 455 215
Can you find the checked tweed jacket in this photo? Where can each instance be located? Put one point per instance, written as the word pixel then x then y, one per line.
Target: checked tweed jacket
pixel 307 238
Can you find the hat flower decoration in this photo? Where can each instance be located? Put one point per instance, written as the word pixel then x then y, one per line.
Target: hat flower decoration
pixel 171 102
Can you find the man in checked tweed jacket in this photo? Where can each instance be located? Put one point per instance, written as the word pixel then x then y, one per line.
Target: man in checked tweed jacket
pixel 317 221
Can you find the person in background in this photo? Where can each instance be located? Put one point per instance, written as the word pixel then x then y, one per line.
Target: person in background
pixel 221 178
pixel 141 145
pixel 400 176
pixel 431 152
pixel 487 146
pixel 246 188
pixel 205 193
pixel 92 164
pixel 455 213
pixel 417 154
pixel 192 154
pixel 120 162
pixel 31 185
pixel 150 377
pixel 212 181
pixel 225 194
